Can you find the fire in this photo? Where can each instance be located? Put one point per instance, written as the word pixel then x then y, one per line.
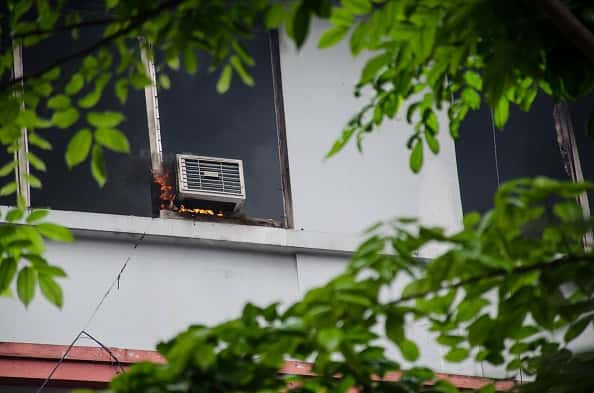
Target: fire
pixel 207 212
pixel 167 194
pixel 167 198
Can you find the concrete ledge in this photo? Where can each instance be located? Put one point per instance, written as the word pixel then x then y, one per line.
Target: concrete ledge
pixel 206 233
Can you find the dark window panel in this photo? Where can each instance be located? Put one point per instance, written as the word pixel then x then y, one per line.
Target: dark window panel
pixel 239 124
pixel 527 147
pixel 128 188
pixel 5 157
pixel 475 157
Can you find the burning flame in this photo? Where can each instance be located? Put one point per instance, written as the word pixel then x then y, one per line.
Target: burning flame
pixel 167 198
pixel 207 212
pixel 167 195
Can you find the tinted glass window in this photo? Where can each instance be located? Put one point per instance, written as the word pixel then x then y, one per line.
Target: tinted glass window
pixel 475 157
pixel 129 179
pixel 527 147
pixel 240 124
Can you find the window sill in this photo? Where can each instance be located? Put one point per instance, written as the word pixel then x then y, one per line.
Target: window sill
pixel 214 234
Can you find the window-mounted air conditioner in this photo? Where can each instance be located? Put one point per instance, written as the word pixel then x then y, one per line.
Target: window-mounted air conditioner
pixel 210 181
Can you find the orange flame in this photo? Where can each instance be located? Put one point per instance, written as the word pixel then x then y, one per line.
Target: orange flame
pixel 167 194
pixel 167 198
pixel 207 212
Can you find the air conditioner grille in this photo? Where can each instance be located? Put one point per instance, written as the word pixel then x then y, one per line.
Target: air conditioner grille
pixel 204 175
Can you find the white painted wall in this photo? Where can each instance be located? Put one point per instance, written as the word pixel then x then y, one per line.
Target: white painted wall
pixel 169 284
pixel 351 191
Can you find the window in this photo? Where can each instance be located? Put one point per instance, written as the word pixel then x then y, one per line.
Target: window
pixel 128 189
pixel 240 124
pixel 245 123
pixel 487 157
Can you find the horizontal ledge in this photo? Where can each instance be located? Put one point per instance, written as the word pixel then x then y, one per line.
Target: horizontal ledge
pixel 210 233
pixel 93 366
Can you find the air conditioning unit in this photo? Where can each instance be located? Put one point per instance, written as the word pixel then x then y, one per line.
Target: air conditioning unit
pixel 210 182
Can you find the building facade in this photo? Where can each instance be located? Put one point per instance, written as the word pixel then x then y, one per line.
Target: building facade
pixel 139 274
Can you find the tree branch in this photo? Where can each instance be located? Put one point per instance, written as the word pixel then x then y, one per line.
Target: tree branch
pixel 134 24
pixel 63 28
pixel 500 273
pixel 573 29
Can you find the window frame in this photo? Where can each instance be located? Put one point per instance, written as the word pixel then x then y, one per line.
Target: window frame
pixel 154 132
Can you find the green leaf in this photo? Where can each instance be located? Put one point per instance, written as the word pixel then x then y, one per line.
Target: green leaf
pixel 469 308
pixel 8 188
pixel 14 214
pixel 501 112
pixel 65 118
pixel 432 142
pixel 480 330
pixel 274 16
pixel 7 292
pixel 357 7
pixel 190 61
pixel 576 328
pixel 490 388
pixel 301 25
pixel 395 327
pixel 113 139
pixel 473 80
pixel 409 350
pixel 456 355
pixel 40 142
pixel 32 180
pixel 330 338
pixel 241 71
pixel 78 147
pixel 75 84
pixel 90 99
pixel 444 386
pixel 8 268
pixel 524 332
pixel 416 157
pixel 59 101
pixel 37 215
pixel 471 98
pixel 98 169
pixel 55 232
pixel 332 36
pixel 449 340
pixel 105 119
pixel 26 283
pixel 242 53
pixel 51 270
pixel 224 81
pixel 372 67
pixel 173 62
pixel 36 162
pixel 51 290
pixel 121 90
pixel 164 81
pixel 341 142
pixel 8 168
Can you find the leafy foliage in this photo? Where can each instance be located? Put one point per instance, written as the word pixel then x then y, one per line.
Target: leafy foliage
pixel 21 255
pixel 505 280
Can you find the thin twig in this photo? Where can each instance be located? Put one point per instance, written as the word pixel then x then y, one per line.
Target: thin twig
pixel 59 363
pixel 106 349
pixel 498 274
pixel 66 27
